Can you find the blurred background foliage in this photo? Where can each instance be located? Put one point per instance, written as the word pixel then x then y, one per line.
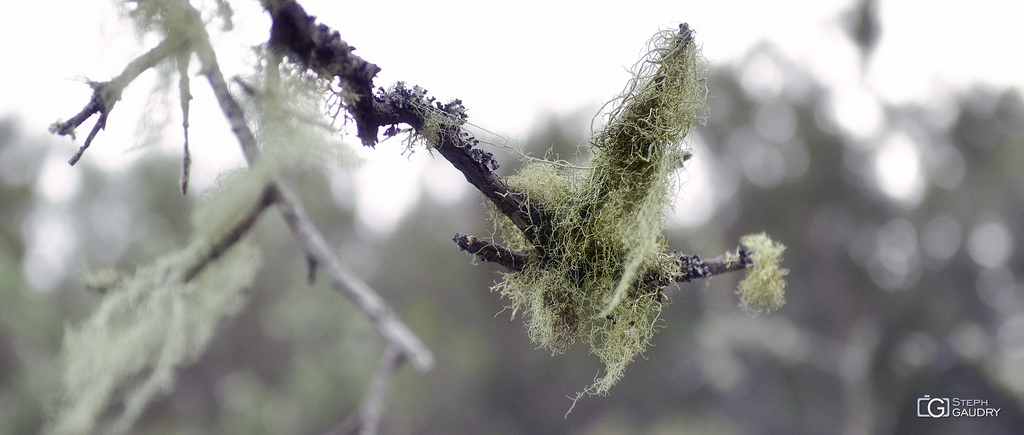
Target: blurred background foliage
pixel 902 242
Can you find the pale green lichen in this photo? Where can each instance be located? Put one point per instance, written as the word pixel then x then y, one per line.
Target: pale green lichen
pixel 765 284
pixel 292 134
pixel 101 279
pixel 287 105
pixel 150 324
pixel 607 218
pixel 174 17
pixel 232 195
pixel 143 330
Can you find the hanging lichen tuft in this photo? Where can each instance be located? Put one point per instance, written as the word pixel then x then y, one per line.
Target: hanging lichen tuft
pixel 764 287
pixel 598 275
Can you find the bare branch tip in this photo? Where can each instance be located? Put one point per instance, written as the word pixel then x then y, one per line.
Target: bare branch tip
pixel 488 251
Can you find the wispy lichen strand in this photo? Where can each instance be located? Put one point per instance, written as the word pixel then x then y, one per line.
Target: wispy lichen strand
pixel 151 323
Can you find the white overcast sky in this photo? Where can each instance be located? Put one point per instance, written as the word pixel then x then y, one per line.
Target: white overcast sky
pixel 510 62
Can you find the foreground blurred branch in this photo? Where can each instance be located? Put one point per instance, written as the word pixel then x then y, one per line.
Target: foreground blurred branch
pixel 367 418
pixel 384 318
pixel 106 94
pixel 402 343
pixel 392 328
pixel 241 228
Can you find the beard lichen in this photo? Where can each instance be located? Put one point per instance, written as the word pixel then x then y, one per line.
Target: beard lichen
pixel 591 279
pixel 764 287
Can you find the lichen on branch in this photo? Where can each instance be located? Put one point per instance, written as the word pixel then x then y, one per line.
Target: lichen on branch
pixel 584 245
pixel 765 284
pixel 587 281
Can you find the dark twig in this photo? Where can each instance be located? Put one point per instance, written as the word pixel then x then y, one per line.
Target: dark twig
pixel 106 94
pixel 186 98
pixel 240 229
pixel 692 267
pixel 720 264
pixel 101 124
pixel 322 50
pixel 527 216
pixel 491 252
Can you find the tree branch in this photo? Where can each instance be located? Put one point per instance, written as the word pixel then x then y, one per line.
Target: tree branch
pixel 242 227
pixel 388 324
pixel 106 94
pixel 366 420
pixel 477 167
pixel 692 267
pixel 491 252
pixel 232 111
pixel 401 342
pixel 322 50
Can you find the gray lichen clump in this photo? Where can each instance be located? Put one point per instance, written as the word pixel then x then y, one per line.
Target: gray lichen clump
pixel 598 275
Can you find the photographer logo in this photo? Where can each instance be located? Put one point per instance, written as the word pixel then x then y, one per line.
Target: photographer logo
pixel 942 407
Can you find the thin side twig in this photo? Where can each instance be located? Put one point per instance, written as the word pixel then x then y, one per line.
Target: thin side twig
pixel 488 251
pixel 232 111
pixel 692 267
pixel 186 96
pixel 240 229
pixel 106 94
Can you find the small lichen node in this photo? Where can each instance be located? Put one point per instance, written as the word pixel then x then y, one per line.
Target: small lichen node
pixel 764 287
pixel 591 276
pixel 438 119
